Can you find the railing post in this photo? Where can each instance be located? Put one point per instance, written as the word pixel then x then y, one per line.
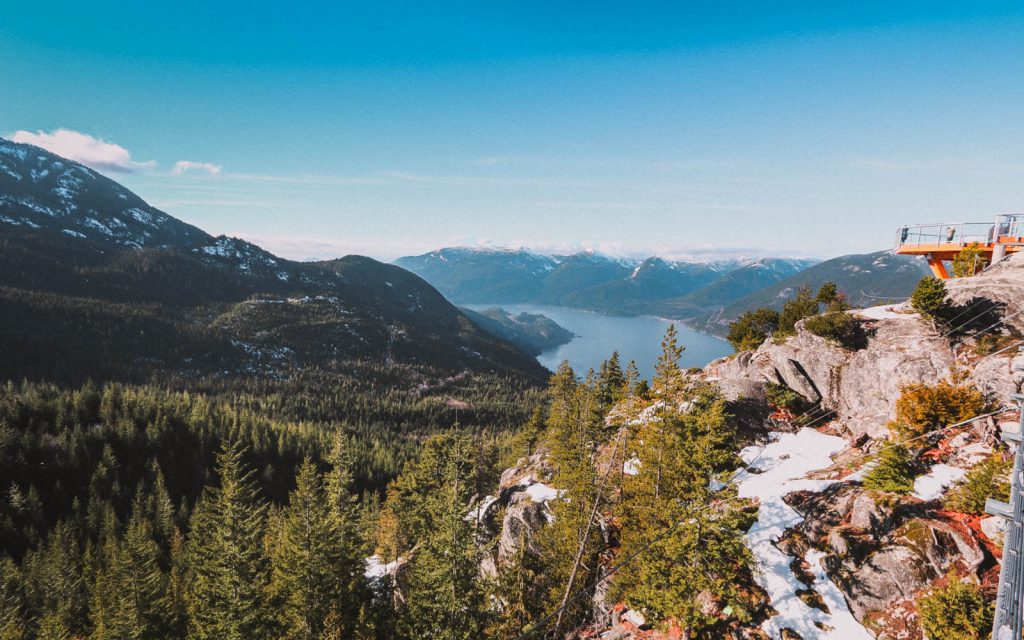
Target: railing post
pixel 1009 615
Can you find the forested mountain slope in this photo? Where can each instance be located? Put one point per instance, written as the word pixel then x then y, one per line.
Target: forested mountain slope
pixel 95 283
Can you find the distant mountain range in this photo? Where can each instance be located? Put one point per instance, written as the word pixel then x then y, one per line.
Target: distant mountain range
pixel 593 281
pixel 866 279
pixel 704 294
pixel 96 283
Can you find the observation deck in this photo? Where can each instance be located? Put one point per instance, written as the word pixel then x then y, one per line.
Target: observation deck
pixel 942 242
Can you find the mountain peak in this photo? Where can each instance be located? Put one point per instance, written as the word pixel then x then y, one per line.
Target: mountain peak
pixel 41 190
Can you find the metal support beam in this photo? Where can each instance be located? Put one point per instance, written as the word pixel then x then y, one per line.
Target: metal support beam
pixel 938 267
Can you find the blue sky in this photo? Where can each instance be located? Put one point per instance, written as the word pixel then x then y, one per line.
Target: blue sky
pixel 390 128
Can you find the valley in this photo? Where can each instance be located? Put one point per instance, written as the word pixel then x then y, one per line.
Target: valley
pixel 635 338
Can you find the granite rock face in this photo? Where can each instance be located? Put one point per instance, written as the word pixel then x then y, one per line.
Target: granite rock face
pixel 883 549
pixel 860 386
pixel 1002 282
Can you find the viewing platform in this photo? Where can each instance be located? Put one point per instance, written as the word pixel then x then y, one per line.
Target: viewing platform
pixel 941 242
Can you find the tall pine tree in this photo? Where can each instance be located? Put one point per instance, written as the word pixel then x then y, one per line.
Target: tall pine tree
pixel 228 571
pixel 445 598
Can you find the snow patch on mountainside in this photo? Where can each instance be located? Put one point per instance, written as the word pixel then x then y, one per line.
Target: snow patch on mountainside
pixel 777 469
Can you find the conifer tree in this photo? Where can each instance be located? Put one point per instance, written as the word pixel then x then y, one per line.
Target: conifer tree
pixel 445 598
pixel 989 478
pixel 802 305
pixel 568 548
pixel 227 565
pixel 668 377
pixel 305 556
pixel 893 471
pixel 13 609
pixel 138 585
pixel 699 548
pixel 345 519
pixel 515 590
pixel 611 382
pixel 56 586
pixel 632 379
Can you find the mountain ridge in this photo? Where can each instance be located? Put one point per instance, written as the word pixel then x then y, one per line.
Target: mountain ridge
pixel 124 289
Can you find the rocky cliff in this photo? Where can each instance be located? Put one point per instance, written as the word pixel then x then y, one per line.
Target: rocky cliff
pixel 840 561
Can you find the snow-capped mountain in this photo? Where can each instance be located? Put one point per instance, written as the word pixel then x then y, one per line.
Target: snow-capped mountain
pixel 95 283
pixel 41 190
pixel 588 280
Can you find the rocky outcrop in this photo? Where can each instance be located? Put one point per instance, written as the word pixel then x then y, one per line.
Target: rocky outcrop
pixel 995 376
pixel 860 386
pixel 1002 282
pixel 882 549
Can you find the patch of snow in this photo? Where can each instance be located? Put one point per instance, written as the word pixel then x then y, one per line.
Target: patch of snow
pixel 375 569
pixel 842 622
pixel 781 468
pixel 99 226
pixel 934 483
pixel 540 492
pixel 73 234
pixel 140 215
pixel 631 467
pixel 477 513
pixel 858 475
pixel 886 312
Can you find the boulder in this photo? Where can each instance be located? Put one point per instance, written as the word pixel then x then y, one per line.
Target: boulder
pixel 1003 282
pixel 891 574
pixel 870 514
pixel 996 378
pixel 634 617
pixel 735 377
pixel 913 556
pixel 994 528
pixel 523 519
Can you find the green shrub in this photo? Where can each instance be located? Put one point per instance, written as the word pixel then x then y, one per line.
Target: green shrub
pixel 969 261
pixel 894 470
pixel 987 479
pixel 782 397
pixel 957 611
pixel 929 298
pixel 752 328
pixel 922 408
pixel 839 327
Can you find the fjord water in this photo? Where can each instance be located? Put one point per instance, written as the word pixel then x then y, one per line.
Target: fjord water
pixel 635 338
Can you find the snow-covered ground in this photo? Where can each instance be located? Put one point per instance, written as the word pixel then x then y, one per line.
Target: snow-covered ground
pixel 887 312
pixel 783 466
pixel 934 483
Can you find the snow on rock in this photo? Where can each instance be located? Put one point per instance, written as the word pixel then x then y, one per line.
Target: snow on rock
pixel 375 568
pixel 648 414
pixel 540 492
pixel 631 467
pixel 841 621
pixel 934 483
pixel 776 470
pixel 477 513
pixel 887 312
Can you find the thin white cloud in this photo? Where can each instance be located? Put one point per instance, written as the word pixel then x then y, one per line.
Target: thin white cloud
pixel 81 147
pixel 181 166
